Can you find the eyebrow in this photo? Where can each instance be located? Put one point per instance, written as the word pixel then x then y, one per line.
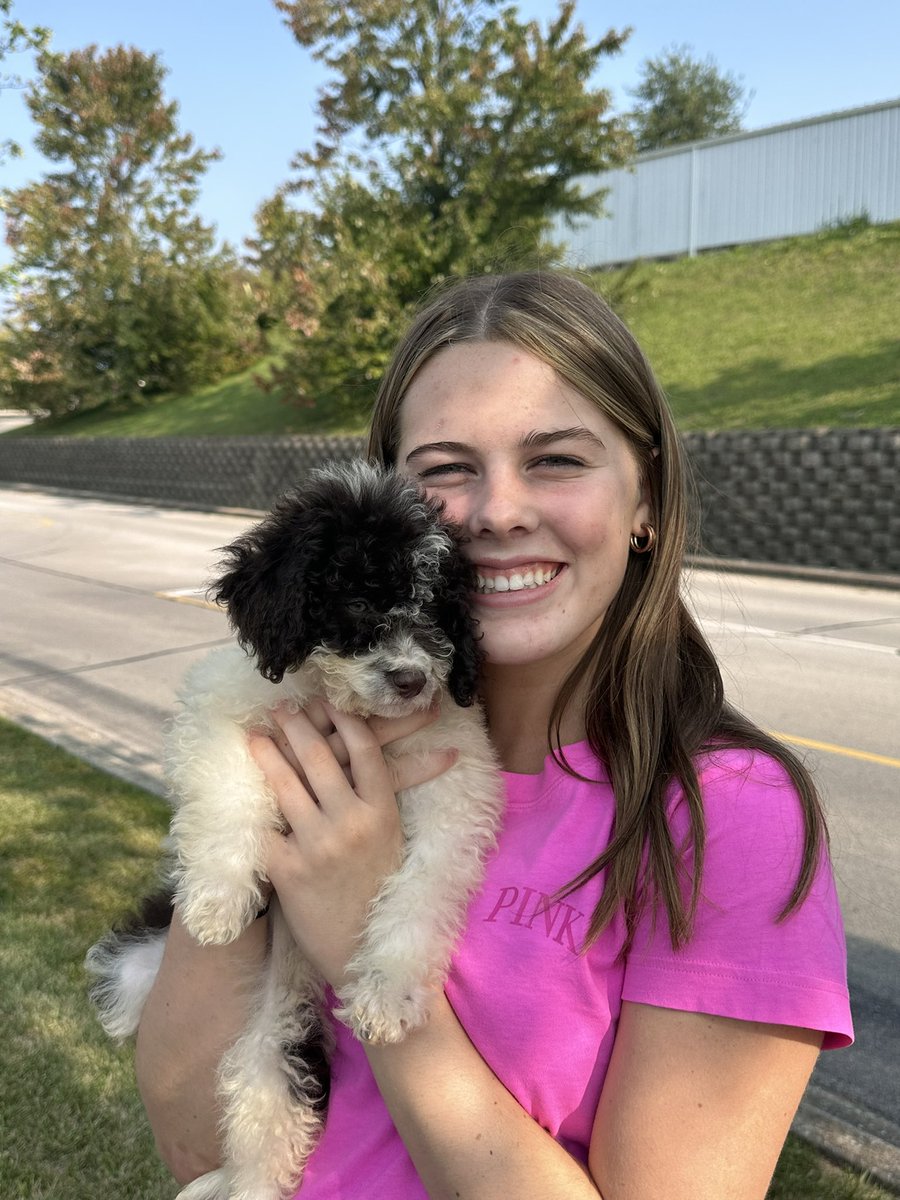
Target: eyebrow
pixel 536 440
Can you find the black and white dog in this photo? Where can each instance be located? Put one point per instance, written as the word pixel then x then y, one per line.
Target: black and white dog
pixel 355 590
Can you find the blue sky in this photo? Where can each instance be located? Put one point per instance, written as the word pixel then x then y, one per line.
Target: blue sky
pixel 244 85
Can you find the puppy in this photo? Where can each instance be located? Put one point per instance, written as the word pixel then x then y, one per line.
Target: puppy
pixel 355 590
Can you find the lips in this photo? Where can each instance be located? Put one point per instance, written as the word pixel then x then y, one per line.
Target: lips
pixel 522 577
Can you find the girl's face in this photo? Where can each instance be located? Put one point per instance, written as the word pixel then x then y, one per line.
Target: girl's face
pixel 544 485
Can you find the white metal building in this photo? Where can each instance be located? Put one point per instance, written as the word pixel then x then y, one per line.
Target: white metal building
pixel 746 187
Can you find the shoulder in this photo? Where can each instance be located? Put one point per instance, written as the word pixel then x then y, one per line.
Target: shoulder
pixel 744 959
pixel 748 799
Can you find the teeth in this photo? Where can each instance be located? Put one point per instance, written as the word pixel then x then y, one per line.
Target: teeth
pixel 518 581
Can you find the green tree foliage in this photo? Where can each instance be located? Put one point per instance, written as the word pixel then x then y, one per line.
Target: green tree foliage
pixel 276 256
pixel 15 38
pixel 118 292
pixel 681 98
pixel 450 133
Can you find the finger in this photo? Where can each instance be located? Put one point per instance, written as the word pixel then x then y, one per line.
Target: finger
pixel 369 772
pixel 321 721
pixel 318 716
pixel 279 737
pixel 292 796
pixel 324 775
pixel 392 729
pixel 412 770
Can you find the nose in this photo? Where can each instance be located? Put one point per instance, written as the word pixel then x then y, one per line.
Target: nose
pixel 407 683
pixel 502 505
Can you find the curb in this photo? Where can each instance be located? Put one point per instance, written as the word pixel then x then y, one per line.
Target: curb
pixel 746 566
pixel 57 725
pixel 850 1134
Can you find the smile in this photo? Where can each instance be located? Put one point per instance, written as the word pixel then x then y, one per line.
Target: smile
pixel 516 579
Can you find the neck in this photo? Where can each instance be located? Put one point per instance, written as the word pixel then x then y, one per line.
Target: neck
pixel 518 702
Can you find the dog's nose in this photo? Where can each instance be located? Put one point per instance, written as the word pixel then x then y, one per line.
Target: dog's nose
pixel 408 683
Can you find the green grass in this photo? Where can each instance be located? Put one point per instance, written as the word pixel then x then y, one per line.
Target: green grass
pixel 235 407
pixel 73 843
pixel 790 334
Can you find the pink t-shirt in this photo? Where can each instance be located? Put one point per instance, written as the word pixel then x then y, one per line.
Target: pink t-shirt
pixel 543 1015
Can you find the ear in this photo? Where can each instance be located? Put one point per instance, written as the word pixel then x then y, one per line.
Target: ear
pixel 262 585
pixel 459 627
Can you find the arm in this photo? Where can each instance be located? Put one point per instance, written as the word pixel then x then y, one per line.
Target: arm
pixel 694 1108
pixel 195 1011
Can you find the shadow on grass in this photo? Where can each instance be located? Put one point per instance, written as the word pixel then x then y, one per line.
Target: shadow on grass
pixel 783 397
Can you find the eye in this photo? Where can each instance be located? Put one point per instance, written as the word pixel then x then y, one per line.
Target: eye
pixel 558 460
pixel 357 607
pixel 440 469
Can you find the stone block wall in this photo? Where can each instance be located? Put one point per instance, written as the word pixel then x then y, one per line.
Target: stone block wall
pixel 815 498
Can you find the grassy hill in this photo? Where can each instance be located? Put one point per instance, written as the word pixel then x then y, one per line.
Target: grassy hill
pixel 790 334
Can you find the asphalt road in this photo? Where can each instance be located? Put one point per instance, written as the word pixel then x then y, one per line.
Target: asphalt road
pixel 102 612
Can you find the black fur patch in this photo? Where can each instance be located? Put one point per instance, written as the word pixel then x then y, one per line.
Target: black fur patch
pixel 309 1073
pixel 331 561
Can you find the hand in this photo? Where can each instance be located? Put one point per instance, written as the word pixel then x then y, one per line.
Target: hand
pixel 406 771
pixel 338 797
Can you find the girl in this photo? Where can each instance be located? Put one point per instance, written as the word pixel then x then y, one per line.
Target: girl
pixel 656 956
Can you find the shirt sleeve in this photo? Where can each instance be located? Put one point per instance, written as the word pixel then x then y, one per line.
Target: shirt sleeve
pixel 741 961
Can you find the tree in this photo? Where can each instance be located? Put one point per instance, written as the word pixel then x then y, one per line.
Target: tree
pixel 14 38
pixel 685 99
pixel 118 291
pixel 276 256
pixel 449 135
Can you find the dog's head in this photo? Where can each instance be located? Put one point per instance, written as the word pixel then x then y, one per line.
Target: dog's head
pixel 356 569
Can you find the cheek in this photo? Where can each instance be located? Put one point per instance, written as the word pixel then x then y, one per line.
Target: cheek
pixel 455 510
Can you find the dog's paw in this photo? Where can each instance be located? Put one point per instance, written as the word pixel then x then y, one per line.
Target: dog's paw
pixel 380 1016
pixel 216 914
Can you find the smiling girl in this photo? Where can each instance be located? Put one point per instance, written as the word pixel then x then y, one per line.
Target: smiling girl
pixel 656 955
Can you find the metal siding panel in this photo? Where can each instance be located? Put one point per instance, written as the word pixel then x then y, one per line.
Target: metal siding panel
pixel 750 187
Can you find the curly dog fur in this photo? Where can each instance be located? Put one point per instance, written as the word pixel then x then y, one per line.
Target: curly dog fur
pixel 352 589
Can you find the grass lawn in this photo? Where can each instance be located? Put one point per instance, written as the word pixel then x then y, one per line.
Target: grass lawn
pixel 788 334
pixel 73 843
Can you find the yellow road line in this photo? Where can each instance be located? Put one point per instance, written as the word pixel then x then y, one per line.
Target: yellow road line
pixel 846 751
pixel 195 596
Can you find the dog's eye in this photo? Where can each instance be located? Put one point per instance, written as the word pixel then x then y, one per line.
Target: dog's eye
pixel 357 607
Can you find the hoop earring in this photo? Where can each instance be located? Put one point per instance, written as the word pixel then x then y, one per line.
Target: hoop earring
pixel 643 545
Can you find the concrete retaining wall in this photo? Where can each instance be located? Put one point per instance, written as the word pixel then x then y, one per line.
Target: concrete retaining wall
pixel 807 498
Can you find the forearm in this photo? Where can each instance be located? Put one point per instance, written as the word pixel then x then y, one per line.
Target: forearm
pixel 195 1011
pixel 467 1135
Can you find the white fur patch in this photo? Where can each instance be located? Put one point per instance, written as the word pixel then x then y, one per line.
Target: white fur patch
pixel 126 973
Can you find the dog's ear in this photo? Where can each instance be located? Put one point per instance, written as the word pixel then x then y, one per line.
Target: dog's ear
pixel 454 616
pixel 262 585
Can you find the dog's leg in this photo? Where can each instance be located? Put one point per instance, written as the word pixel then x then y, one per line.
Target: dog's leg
pixel 214 1185
pixel 225 817
pixel 420 911
pixel 272 1097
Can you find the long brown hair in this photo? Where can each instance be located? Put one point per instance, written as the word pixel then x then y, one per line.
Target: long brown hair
pixel 655 698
